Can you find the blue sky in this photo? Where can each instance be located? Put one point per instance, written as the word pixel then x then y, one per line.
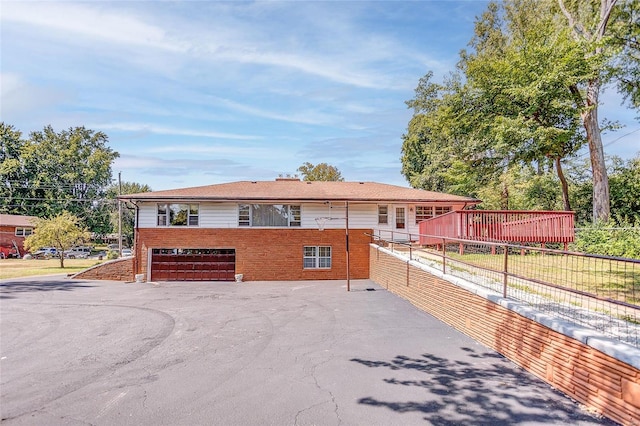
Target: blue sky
pixel 196 93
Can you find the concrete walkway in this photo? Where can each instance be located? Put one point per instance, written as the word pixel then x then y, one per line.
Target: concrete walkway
pixel 257 353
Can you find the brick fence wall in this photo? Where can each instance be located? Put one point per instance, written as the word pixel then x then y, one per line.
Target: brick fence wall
pixel 598 380
pixel 114 270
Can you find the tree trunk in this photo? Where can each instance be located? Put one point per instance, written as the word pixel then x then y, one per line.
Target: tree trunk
pixel 563 183
pixel 601 207
pixel 62 260
pixel 504 199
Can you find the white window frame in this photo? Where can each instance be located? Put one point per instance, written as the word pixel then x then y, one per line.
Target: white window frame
pixel 316 257
pixel 23 232
pixel 434 211
pixel 383 218
pixel 163 218
pixel 294 216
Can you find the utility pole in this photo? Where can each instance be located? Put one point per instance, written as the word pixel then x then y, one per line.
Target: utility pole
pixel 119 215
pixel 346 229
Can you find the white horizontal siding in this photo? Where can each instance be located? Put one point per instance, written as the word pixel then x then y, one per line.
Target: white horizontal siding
pixel 218 215
pixel 147 215
pixel 361 216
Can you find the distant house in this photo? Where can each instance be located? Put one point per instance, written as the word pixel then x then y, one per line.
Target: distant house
pixel 285 229
pixel 13 230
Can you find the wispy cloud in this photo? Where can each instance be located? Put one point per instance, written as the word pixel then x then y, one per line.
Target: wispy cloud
pixel 355 61
pixel 93 22
pixel 164 130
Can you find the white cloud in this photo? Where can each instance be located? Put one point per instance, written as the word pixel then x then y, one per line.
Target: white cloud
pixel 89 22
pixel 19 96
pixel 165 130
pixel 343 54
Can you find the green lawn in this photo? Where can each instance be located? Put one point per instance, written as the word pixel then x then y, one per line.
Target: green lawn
pixel 604 277
pixel 16 268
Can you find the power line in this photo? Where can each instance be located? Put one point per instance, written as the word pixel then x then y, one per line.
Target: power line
pixel 613 141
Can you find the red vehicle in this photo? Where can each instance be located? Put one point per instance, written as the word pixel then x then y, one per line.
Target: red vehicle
pixel 13 230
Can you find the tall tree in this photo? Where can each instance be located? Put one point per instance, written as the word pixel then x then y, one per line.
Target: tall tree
pixel 524 95
pixel 51 172
pixel 322 171
pixel 521 70
pixel 588 21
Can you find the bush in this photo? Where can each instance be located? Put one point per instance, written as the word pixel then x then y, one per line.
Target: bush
pixel 112 254
pixel 610 239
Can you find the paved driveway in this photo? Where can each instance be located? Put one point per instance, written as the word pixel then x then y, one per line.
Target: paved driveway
pixel 257 353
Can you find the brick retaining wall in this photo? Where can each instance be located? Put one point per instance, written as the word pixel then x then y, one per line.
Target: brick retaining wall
pixel 114 270
pixel 598 380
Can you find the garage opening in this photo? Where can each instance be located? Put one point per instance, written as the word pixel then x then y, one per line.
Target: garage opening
pixel 173 264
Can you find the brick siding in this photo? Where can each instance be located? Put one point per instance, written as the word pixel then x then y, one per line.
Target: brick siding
pixel 266 254
pixel 591 377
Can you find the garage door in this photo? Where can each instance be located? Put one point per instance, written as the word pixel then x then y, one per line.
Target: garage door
pixel 193 264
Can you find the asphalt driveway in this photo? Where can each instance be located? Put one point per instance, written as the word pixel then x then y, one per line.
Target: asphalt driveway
pixel 257 353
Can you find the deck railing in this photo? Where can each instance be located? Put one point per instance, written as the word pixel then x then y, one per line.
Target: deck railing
pixel 509 226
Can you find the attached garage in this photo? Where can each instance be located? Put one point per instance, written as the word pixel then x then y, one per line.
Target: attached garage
pixel 193 264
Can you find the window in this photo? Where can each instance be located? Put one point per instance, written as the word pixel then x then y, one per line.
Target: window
pixel 423 213
pixel 442 210
pixel 269 215
pixel 23 232
pixel 178 214
pixel 383 214
pixel 317 257
pixel 427 212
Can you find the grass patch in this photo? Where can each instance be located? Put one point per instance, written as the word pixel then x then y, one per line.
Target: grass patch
pixel 18 268
pixel 604 277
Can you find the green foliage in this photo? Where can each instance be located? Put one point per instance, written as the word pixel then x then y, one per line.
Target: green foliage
pixel 525 96
pixel 62 232
pixel 610 239
pixel 51 172
pixel 128 210
pixel 626 39
pixel 112 254
pixel 624 180
pixel 320 172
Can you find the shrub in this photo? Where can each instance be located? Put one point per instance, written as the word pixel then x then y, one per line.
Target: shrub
pixel 112 254
pixel 610 239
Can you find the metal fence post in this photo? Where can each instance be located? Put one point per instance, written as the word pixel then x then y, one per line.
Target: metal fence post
pixel 505 271
pixel 444 256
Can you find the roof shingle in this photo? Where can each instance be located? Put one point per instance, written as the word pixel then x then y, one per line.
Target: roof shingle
pixel 295 190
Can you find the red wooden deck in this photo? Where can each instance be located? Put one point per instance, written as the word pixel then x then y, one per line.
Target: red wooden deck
pixel 509 226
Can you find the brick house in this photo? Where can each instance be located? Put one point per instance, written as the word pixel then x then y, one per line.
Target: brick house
pixel 13 230
pixel 285 229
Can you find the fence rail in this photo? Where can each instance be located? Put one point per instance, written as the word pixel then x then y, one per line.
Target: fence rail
pixel 600 292
pixel 510 226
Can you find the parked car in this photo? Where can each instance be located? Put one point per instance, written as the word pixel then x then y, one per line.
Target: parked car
pixel 78 253
pixel 113 247
pixel 44 253
pixel 126 252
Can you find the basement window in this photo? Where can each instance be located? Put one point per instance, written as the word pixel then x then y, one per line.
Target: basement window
pixel 317 257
